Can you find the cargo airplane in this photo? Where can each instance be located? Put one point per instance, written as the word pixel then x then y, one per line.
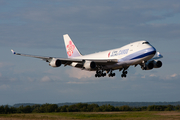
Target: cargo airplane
pixel 137 53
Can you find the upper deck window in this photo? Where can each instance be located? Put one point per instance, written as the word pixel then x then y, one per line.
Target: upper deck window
pixel 145 43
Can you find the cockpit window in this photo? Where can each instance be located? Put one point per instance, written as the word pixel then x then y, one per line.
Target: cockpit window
pixel 145 43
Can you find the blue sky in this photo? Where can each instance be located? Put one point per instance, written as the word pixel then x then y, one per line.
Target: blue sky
pixel 37 27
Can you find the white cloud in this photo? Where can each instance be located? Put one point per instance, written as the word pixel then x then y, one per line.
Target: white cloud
pixel 4 87
pixel 4 64
pixel 170 77
pixel 174 75
pixel 30 79
pixel 152 75
pixel 1 65
pixel 70 82
pixel 143 76
pixel 79 74
pixel 45 79
pixel 50 78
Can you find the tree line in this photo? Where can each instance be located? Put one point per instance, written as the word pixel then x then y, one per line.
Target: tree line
pixel 83 107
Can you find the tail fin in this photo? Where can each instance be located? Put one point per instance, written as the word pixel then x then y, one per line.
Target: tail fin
pixel 71 49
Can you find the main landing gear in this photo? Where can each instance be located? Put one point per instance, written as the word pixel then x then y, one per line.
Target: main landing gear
pixel 111 74
pixel 124 73
pixel 99 73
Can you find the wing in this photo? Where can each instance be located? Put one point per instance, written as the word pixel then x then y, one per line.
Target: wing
pixel 34 56
pixel 158 56
pixel 69 61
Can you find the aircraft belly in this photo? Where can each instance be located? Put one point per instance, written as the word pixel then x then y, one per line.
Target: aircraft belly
pixel 128 63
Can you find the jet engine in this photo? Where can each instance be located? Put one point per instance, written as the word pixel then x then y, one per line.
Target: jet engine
pixel 55 63
pixel 89 65
pixel 152 64
pixel 148 66
pixel 157 63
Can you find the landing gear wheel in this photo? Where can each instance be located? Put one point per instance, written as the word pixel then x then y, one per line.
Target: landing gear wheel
pixel 104 74
pixel 111 74
pixel 124 74
pixel 99 73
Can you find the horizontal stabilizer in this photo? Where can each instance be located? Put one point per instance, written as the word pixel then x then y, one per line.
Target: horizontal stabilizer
pixel 158 56
pixel 13 52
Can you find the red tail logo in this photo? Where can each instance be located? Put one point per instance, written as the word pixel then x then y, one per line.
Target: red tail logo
pixel 70 48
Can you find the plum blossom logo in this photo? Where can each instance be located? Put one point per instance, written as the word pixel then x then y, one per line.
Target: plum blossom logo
pixel 70 47
pixel 109 54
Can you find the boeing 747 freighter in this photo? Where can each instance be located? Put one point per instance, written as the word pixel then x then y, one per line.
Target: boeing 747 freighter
pixel 137 53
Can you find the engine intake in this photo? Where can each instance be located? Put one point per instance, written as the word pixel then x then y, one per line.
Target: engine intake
pixel 89 65
pixel 55 63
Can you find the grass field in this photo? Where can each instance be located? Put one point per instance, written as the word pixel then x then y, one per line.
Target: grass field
pixel 145 115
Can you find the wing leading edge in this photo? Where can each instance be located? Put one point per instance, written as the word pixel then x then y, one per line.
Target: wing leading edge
pixel 69 61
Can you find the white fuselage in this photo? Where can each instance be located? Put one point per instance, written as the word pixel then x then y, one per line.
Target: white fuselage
pixel 131 54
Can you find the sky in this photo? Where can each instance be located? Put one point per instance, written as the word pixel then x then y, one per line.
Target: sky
pixel 37 27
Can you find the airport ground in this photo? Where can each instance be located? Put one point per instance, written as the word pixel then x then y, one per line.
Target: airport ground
pixel 141 115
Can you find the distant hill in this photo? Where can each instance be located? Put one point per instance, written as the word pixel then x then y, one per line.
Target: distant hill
pixel 131 104
pixel 24 104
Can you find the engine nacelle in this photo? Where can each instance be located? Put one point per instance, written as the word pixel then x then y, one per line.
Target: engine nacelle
pixel 152 64
pixel 157 63
pixel 148 66
pixel 89 65
pixel 55 63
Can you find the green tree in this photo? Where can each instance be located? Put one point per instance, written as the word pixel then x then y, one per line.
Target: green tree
pixel 107 108
pixel 125 108
pixel 6 109
pixel 26 109
pixel 63 108
pixel 93 108
pixel 2 109
pixel 169 108
pixel 177 107
pixel 36 108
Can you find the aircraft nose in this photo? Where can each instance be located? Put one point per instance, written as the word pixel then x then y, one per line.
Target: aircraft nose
pixel 150 51
pixel 153 50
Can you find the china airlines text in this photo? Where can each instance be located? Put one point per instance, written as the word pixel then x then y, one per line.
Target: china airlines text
pixel 121 52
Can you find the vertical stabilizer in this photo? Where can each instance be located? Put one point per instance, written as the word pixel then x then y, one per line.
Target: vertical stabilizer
pixel 71 49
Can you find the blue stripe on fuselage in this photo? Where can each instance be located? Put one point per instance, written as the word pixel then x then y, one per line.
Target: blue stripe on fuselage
pixel 144 55
pixel 139 54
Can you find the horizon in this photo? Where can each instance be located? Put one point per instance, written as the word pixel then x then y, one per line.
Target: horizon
pixel 92 102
